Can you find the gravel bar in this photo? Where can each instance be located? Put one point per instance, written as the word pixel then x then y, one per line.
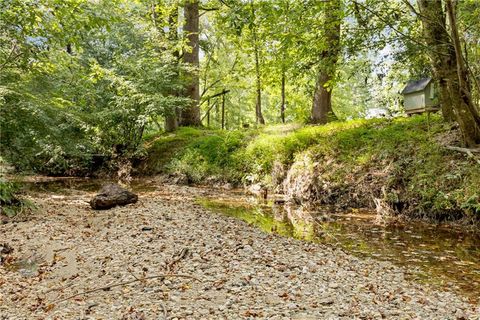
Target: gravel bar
pixel 66 249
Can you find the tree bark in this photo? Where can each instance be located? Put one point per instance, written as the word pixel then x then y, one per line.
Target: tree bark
pixel 447 62
pixel 282 106
pixel 171 118
pixel 258 75
pixel 171 122
pixel 190 116
pixel 467 116
pixel 441 55
pixel 322 98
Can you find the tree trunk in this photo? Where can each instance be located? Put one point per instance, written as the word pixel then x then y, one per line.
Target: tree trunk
pixel 282 106
pixel 171 122
pixel 442 55
pixel 171 118
pixel 322 98
pixel 258 75
pixel 467 115
pixel 190 116
pixel 447 62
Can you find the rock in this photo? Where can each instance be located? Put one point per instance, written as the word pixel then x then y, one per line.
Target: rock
pixel 5 248
pixel 258 190
pixel 227 186
pixel 3 219
pixel 326 301
pixel 180 179
pixel 460 315
pixel 333 285
pixel 112 195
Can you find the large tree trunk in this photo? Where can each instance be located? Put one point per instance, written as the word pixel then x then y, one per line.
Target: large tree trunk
pixel 258 75
pixel 447 62
pixel 190 116
pixel 441 52
pixel 468 115
pixel 322 98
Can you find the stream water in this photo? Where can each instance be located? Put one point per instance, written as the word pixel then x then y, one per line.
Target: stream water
pixel 441 255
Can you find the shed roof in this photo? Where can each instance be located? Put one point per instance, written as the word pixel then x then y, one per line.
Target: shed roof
pixel 416 85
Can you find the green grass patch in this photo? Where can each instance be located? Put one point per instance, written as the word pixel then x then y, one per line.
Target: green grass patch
pixel 401 161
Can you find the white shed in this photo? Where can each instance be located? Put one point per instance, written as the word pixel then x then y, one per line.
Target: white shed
pixel 420 96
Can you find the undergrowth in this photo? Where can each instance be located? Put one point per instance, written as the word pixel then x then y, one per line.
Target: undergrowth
pixel 402 161
pixel 11 204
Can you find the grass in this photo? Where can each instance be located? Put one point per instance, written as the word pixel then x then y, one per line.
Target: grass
pixel 401 161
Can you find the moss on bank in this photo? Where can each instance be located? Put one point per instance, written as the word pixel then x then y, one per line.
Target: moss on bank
pixel 402 164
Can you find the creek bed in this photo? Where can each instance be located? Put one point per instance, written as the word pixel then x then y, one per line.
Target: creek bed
pixel 442 255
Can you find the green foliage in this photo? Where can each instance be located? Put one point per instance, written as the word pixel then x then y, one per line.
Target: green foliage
pixel 403 158
pixel 199 154
pixel 93 80
pixel 10 203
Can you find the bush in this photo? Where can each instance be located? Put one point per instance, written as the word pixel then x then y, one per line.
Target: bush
pixel 10 203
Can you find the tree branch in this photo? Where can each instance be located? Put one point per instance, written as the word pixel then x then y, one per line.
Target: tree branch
pixel 113 285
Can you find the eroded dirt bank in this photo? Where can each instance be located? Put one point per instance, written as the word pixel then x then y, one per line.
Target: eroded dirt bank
pixel 66 249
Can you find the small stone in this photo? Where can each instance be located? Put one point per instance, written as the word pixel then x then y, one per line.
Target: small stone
pixel 333 285
pixel 326 301
pixel 460 315
pixel 203 311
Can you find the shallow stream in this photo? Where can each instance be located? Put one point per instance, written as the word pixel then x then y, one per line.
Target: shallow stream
pixel 441 255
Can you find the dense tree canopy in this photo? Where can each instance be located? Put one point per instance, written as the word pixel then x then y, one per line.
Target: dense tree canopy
pixel 84 81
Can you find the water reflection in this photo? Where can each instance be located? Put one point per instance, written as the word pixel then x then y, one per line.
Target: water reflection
pixel 439 255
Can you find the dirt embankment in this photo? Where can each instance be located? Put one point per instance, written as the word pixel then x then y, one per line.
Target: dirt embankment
pixel 401 167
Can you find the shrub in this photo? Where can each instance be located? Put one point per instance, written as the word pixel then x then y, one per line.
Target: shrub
pixel 10 202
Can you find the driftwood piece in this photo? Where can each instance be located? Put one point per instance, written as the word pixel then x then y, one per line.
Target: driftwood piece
pixel 468 151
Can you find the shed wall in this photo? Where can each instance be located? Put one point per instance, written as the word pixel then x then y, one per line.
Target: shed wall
pixel 430 99
pixel 414 100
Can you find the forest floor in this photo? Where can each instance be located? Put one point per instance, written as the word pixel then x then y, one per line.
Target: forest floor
pixel 216 267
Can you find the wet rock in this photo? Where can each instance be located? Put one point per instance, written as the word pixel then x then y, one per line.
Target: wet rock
pixel 258 190
pixel 112 195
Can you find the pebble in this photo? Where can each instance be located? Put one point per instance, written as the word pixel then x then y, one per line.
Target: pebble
pixel 268 277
